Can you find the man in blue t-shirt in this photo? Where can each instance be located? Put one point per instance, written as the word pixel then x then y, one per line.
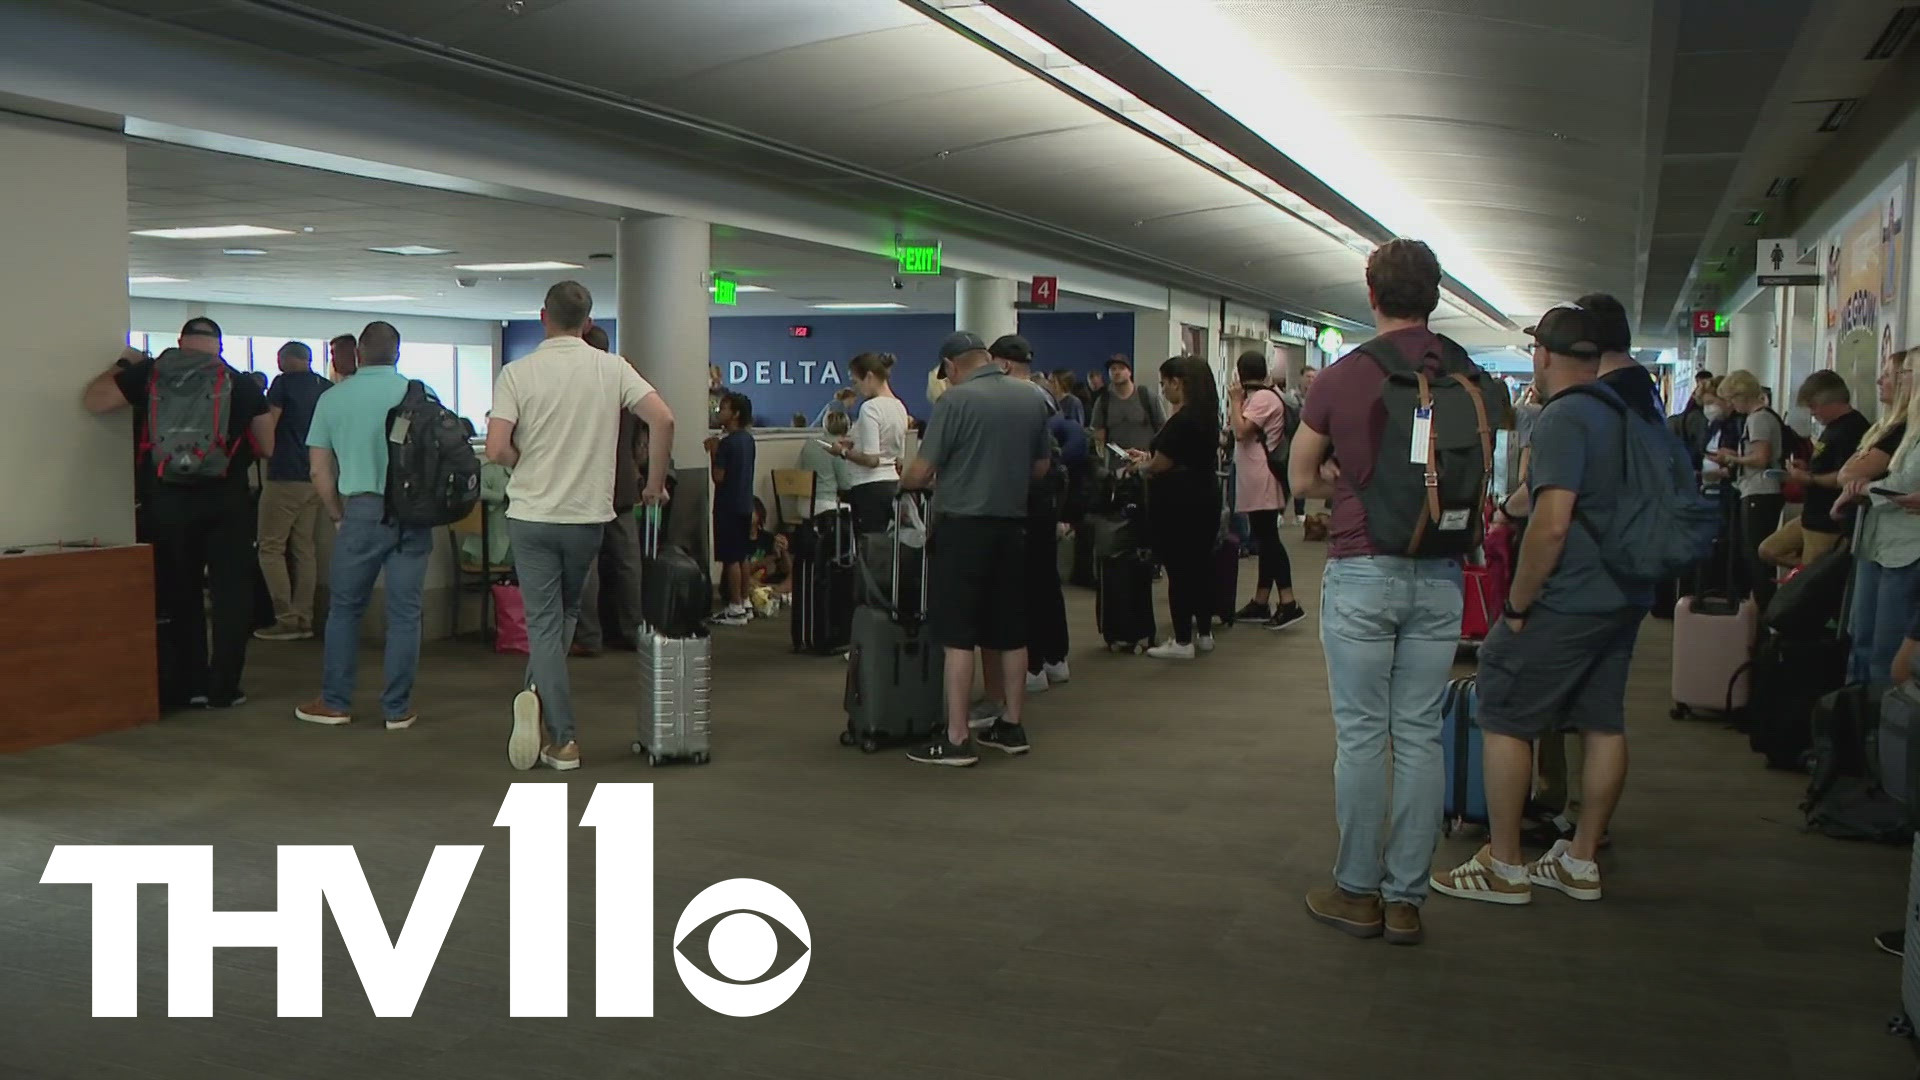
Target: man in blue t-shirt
pixel 733 455
pixel 1559 659
pixel 289 508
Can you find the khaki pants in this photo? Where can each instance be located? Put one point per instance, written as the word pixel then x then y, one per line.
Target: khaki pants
pixel 1792 546
pixel 289 515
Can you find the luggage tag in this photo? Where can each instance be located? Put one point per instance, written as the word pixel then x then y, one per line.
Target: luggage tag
pixel 397 435
pixel 1454 520
pixel 1422 435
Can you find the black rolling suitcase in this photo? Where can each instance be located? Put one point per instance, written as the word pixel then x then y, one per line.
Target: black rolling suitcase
pixel 824 574
pixel 896 676
pixel 1803 656
pixel 1123 601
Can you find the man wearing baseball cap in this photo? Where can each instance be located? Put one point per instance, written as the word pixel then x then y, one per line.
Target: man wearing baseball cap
pixel 1048 640
pixel 986 443
pixel 1618 369
pixel 1559 659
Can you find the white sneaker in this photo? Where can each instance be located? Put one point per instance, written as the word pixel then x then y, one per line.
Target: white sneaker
pixel 1037 682
pixel 1204 643
pixel 1058 673
pixel 1171 650
pixel 734 617
pixel 984 715
pixel 523 746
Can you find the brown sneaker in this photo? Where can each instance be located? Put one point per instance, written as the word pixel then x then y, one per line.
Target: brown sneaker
pixel 1345 912
pixel 402 723
pixel 1403 924
pixel 561 758
pixel 316 712
pixel 1549 871
pixel 1475 879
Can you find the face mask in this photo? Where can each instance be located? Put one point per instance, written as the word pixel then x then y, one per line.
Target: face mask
pixel 1716 412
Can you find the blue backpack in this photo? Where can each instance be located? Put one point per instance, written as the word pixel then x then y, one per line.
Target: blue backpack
pixel 1661 524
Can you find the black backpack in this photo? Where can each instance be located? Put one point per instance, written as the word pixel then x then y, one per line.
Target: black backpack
pixel 1278 457
pixel 1430 510
pixel 433 475
pixel 1792 443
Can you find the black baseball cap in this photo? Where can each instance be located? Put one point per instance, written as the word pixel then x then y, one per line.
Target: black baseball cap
pixel 1616 330
pixel 961 344
pixel 1011 347
pixel 200 327
pixel 1569 330
pixel 298 349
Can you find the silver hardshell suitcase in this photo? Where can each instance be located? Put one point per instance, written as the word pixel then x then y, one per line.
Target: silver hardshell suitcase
pixel 675 694
pixel 676 681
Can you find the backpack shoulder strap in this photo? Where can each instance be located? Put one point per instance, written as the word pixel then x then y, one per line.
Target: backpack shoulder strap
pixel 1387 355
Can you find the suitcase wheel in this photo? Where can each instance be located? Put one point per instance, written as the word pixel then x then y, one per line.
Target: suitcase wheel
pixel 702 758
pixel 655 760
pixel 637 748
pixel 869 745
pixel 1900 1026
pixel 1679 712
pixel 846 738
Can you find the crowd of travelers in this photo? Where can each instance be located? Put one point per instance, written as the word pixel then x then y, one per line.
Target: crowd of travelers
pixel 1396 437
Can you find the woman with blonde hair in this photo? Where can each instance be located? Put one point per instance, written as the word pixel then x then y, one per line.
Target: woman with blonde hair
pixel 1887 553
pixel 1757 462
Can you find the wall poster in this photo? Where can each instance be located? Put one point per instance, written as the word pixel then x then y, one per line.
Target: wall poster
pixel 1864 287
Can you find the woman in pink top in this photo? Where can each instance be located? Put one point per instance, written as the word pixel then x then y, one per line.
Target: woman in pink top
pixel 1257 416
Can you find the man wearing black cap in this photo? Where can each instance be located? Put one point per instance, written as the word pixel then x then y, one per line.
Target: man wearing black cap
pixel 1559 659
pixel 200 520
pixel 1126 415
pixel 986 444
pixel 1047 640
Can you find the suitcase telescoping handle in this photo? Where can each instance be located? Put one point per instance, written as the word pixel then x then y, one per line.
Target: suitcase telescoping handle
pixel 1860 510
pixel 650 532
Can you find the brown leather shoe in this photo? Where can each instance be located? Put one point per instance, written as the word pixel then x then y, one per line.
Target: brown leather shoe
pixel 1403 924
pixel 1345 912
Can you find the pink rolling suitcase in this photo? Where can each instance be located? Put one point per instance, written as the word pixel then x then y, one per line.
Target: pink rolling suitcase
pixel 1713 638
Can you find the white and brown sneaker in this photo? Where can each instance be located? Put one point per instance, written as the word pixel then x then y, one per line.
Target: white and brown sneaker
pixel 1478 879
pixel 561 758
pixel 1559 871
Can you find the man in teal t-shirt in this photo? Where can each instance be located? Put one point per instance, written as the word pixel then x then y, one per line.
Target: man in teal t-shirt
pixel 348 446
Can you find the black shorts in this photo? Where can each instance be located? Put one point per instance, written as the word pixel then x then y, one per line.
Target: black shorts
pixel 732 537
pixel 1559 673
pixel 977 588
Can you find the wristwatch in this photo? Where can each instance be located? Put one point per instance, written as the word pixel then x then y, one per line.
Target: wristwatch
pixel 1516 616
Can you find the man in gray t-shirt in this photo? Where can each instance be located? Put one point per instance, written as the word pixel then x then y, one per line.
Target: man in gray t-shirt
pixel 1126 414
pixel 986 443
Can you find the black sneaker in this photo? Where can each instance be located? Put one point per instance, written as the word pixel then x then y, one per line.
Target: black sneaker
pixel 233 702
pixel 1286 616
pixel 1891 942
pixel 1011 738
pixel 939 750
pixel 1255 612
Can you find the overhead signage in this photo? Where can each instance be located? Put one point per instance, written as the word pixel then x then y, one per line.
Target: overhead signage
pixel 726 291
pixel 920 257
pixel 1722 325
pixel 783 373
pixel 1299 331
pixel 1779 263
pixel 1330 341
pixel 1045 292
pixel 1709 324
pixel 799 331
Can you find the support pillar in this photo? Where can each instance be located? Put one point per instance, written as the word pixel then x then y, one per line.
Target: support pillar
pixel 985 306
pixel 663 301
pixel 1748 348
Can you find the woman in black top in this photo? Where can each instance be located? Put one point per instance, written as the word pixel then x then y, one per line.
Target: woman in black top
pixel 1183 501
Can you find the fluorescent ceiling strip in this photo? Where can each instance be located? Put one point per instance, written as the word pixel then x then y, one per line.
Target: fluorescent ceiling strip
pixel 512 268
pixel 1194 41
pixel 155 279
pixel 370 299
pixel 860 307
pixel 211 232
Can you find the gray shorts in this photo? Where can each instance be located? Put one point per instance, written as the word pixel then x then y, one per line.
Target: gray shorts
pixel 1559 673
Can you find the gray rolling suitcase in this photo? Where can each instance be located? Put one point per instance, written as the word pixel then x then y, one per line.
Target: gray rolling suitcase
pixel 676 681
pixel 895 675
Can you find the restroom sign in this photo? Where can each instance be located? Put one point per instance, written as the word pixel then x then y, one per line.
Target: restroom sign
pixel 1779 263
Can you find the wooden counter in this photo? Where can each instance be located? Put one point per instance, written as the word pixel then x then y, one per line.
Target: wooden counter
pixel 77 652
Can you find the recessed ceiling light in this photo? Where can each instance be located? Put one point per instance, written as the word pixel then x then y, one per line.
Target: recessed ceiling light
pixel 369 299
pixel 860 307
pixel 747 288
pixel 244 251
pixel 154 279
pixel 412 249
pixel 511 268
pixel 211 232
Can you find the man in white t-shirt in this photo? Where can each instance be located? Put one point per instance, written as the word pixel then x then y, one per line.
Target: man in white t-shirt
pixel 555 423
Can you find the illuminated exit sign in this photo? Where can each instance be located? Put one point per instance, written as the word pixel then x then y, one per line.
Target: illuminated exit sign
pixel 1720 324
pixel 918 256
pixel 726 291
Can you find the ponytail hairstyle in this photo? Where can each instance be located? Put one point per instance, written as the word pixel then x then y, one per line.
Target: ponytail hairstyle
pixel 868 363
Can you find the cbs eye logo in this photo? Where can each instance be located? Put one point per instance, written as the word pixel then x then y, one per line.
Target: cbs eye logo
pixel 755 941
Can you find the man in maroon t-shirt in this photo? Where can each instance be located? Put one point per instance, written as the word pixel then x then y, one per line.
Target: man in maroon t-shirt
pixel 1389 624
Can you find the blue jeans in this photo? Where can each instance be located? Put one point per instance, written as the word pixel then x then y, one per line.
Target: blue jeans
pixel 365 547
pixel 1390 627
pixel 551 562
pixel 1882 611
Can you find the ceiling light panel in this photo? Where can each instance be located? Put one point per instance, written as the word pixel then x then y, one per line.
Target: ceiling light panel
pixel 414 250
pixel 860 307
pixel 515 268
pixel 155 279
pixel 212 232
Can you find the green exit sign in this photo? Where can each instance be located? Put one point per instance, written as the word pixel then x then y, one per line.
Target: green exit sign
pixel 726 292
pixel 1720 323
pixel 918 257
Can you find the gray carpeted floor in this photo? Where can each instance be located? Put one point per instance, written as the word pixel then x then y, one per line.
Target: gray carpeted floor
pixel 1124 903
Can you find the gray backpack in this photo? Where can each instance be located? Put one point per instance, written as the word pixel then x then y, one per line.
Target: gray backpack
pixel 189 407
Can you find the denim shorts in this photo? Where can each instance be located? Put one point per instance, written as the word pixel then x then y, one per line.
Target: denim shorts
pixel 1559 673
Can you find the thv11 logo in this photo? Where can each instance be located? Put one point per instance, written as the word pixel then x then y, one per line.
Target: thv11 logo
pixel 742 946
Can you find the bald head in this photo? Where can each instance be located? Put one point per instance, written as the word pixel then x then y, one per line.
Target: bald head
pixel 569 305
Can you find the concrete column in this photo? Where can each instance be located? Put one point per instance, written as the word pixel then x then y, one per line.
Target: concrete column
pixel 65 309
pixel 1713 355
pixel 985 306
pixel 1748 348
pixel 662 289
pixel 663 299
